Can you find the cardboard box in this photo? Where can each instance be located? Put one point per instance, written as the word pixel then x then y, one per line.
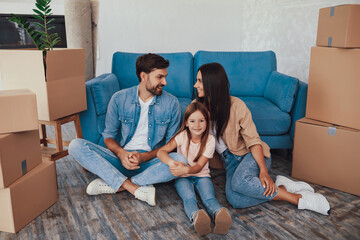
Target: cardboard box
pixel 18 111
pixel 326 154
pixel 334 86
pixel 339 26
pixel 19 153
pixel 28 197
pixel 61 93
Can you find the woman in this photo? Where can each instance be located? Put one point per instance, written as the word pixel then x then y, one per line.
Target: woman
pixel 245 157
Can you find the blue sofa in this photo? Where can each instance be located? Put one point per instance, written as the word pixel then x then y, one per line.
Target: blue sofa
pixel 275 100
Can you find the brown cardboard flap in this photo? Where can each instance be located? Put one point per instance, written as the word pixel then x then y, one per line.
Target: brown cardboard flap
pixel 59 66
pixel 66 96
pixel 18 111
pixel 325 124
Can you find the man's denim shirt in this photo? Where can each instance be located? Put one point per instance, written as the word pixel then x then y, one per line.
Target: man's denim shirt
pixel 123 116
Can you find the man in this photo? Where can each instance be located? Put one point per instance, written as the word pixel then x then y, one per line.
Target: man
pixel 139 120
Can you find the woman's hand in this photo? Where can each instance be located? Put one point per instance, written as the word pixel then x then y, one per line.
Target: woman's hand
pixel 178 169
pixel 267 182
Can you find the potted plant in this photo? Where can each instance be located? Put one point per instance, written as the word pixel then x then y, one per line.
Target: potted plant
pixel 41 38
pixel 55 75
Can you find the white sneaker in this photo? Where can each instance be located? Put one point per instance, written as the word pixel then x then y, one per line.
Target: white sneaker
pixel 292 186
pixel 146 194
pixel 314 202
pixel 98 186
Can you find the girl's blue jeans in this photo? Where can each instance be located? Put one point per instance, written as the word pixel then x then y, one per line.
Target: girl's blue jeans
pixel 105 164
pixel 243 187
pixel 186 187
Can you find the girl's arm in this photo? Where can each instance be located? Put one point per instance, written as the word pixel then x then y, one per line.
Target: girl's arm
pixel 163 153
pixel 181 170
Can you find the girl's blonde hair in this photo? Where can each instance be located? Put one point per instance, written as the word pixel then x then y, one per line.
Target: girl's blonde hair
pixel 193 107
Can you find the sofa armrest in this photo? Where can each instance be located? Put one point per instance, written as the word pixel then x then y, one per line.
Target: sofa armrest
pixel 89 118
pixel 281 90
pixel 299 109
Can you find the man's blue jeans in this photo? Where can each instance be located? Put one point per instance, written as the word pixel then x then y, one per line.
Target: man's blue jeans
pixel 243 187
pixel 105 164
pixel 185 188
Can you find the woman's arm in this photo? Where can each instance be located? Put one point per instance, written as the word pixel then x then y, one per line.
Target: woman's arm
pixel 266 181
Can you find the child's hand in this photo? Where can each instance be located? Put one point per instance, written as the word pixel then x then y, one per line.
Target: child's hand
pixel 179 169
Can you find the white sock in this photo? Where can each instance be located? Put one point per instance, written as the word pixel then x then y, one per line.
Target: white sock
pixel 292 186
pixel 314 202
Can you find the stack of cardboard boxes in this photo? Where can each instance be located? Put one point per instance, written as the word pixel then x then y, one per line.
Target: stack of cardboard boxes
pixel 27 184
pixel 327 140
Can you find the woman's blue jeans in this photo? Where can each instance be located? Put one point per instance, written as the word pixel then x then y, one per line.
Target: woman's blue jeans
pixel 186 186
pixel 105 164
pixel 243 187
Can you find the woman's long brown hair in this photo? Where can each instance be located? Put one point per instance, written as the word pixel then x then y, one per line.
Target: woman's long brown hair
pixel 193 107
pixel 216 95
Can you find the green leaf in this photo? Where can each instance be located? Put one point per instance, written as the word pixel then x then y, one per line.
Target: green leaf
pixel 40 7
pixel 50 21
pixel 48 11
pixel 41 33
pixel 38 12
pixel 50 28
pixel 38 17
pixel 39 25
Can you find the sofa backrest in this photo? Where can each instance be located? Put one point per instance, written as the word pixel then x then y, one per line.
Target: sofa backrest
pixel 180 72
pixel 248 72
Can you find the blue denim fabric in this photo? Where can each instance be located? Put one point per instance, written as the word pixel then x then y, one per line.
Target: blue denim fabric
pixel 243 187
pixel 105 164
pixel 124 112
pixel 186 189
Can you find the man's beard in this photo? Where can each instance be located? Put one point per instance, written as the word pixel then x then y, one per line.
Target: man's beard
pixel 155 90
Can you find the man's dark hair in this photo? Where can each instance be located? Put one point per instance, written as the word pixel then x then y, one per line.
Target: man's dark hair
pixel 148 62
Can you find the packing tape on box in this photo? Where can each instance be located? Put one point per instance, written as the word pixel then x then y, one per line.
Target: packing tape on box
pixel 329 41
pixel 332 131
pixel 332 11
pixel 24 167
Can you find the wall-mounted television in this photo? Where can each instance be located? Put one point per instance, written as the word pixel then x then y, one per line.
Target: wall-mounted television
pixel 13 37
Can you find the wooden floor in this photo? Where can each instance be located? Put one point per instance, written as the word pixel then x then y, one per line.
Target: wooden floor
pixel 120 216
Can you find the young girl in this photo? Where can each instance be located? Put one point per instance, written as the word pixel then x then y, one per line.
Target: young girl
pixel 197 145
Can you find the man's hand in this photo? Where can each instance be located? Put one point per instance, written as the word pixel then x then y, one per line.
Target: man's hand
pixel 127 160
pixel 267 182
pixel 178 169
pixel 135 158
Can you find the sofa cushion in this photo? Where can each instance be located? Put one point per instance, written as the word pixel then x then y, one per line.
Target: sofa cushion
pixel 180 79
pixel 268 118
pixel 103 91
pixel 281 90
pixel 248 72
pixel 184 102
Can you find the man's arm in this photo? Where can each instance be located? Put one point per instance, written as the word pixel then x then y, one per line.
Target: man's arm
pixel 112 126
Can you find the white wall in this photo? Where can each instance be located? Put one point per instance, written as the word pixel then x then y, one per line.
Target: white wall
pixel 288 27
